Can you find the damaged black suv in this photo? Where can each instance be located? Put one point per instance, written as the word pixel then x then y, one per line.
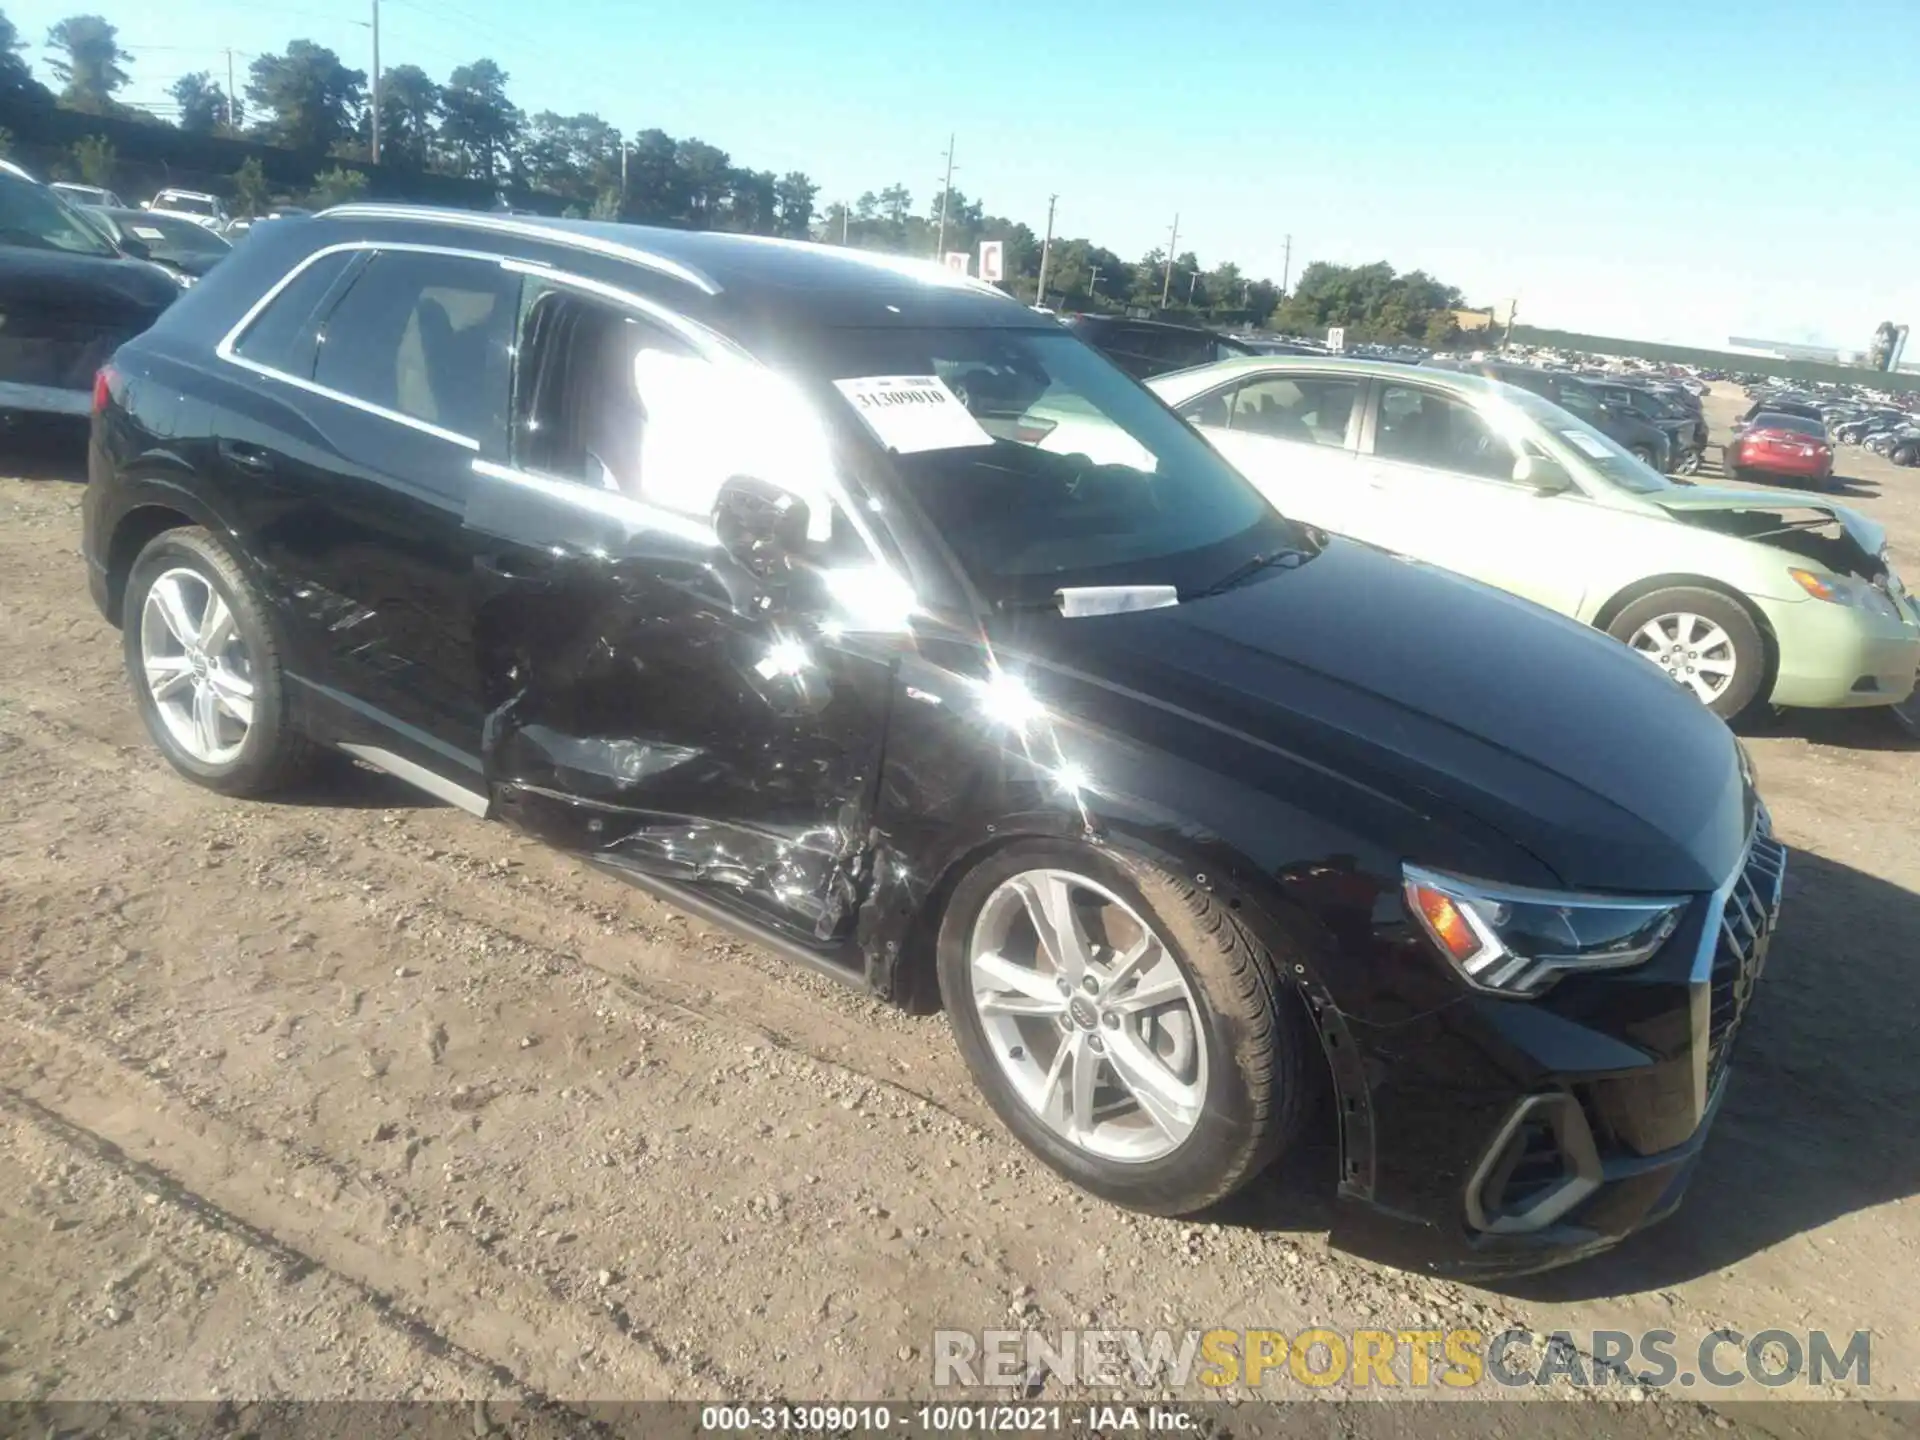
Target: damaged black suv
pixel 857 606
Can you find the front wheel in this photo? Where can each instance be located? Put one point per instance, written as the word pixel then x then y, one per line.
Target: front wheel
pixel 1123 1024
pixel 1905 454
pixel 1705 642
pixel 1644 454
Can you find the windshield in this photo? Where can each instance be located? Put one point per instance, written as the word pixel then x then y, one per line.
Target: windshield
pixel 33 216
pixel 191 204
pixel 1044 466
pixel 165 235
pixel 1599 454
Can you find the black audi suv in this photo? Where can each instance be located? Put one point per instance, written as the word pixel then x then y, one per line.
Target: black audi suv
pixel 768 577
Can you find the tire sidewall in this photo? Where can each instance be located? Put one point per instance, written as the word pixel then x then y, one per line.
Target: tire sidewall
pixel 196 549
pixel 1227 1125
pixel 1750 651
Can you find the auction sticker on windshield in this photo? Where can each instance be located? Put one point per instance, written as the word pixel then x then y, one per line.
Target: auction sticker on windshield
pixel 912 413
pixel 1583 441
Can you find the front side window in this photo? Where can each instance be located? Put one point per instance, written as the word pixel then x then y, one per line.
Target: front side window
pixel 34 218
pixel 1307 409
pixel 1425 428
pixel 1040 463
pixel 613 400
pixel 425 336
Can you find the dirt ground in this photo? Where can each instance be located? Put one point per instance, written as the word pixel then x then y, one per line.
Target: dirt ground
pixel 354 1096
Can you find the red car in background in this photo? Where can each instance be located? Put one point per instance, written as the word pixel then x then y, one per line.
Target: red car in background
pixel 1790 446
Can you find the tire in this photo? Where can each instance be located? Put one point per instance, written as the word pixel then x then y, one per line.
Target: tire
pixel 1249 1086
pixel 1907 454
pixel 1644 456
pixel 263 754
pixel 1739 638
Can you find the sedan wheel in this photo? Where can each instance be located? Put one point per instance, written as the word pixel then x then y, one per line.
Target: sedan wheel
pixel 1705 641
pixel 197 667
pixel 1088 1015
pixel 1693 650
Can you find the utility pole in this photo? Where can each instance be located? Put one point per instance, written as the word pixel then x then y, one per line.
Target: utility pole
pixel 374 147
pixel 1093 286
pixel 623 177
pixel 846 220
pixel 1191 284
pixel 1173 242
pixel 946 192
pixel 1046 246
pixel 1286 267
pixel 1513 309
pixel 233 114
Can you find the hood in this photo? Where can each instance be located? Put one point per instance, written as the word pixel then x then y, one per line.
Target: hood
pixel 1455 698
pixel 87 289
pixel 1698 499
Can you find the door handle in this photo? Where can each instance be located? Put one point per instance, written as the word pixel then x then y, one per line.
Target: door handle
pixel 247 456
pixel 515 567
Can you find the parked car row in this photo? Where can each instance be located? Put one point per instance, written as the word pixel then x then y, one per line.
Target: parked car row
pixel 859 607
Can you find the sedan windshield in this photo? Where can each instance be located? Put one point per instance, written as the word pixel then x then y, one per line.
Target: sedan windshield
pixel 1044 466
pixel 168 235
pixel 33 216
pixel 1601 455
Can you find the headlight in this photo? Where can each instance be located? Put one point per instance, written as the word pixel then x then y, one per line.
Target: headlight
pixel 1845 590
pixel 1516 941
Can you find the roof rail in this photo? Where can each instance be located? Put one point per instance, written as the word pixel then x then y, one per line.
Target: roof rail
pixel 531 229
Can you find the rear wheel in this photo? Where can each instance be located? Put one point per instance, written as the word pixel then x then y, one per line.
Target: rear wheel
pixel 1124 1024
pixel 1704 641
pixel 205 670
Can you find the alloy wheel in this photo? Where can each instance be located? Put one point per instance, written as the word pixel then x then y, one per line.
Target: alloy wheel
pixel 1089 1015
pixel 1692 649
pixel 196 666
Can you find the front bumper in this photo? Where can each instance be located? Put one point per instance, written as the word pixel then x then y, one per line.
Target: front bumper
pixel 1506 1136
pixel 1837 657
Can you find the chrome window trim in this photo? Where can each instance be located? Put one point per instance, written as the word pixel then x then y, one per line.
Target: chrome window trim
pixel 501 225
pixel 611 504
pixel 225 349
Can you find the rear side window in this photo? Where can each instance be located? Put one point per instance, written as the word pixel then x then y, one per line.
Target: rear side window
pixel 282 335
pixel 425 336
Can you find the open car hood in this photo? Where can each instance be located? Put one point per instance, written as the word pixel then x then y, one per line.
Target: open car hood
pixel 1695 499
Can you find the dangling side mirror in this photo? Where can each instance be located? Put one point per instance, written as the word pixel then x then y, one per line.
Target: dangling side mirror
pixel 760 525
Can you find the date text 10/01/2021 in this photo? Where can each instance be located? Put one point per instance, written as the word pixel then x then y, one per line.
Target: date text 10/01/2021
pixel 941 1419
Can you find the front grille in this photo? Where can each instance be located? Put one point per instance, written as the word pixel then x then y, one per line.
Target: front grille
pixel 1746 929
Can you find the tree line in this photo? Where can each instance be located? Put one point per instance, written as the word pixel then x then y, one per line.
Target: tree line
pixel 307 99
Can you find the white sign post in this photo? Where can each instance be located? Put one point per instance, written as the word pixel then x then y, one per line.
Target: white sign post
pixel 1337 338
pixel 992 261
pixel 957 260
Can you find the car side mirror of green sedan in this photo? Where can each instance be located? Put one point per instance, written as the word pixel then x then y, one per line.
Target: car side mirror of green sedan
pixel 1546 476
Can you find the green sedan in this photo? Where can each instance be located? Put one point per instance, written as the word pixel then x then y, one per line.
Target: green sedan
pixel 1743 596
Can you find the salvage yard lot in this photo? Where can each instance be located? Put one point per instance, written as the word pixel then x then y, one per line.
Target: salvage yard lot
pixel 354 1096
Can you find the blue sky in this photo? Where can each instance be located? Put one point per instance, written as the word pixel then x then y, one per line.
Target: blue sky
pixel 1679 171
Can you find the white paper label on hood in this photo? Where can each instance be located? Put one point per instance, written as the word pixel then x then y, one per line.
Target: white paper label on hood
pixel 1115 599
pixel 1590 444
pixel 912 413
pixel 147 232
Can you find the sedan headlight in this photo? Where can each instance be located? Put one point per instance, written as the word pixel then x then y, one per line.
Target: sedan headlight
pixel 1511 940
pixel 1846 590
